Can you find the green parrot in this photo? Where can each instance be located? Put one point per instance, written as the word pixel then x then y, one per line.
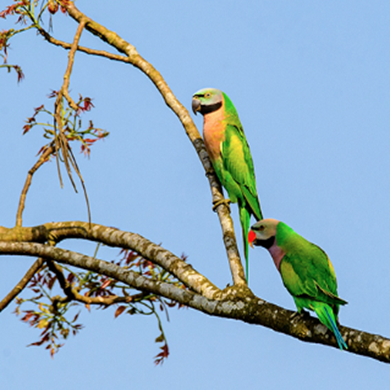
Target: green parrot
pixel 306 271
pixel 229 153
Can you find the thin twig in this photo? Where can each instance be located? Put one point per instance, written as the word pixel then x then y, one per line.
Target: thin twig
pixel 61 140
pixel 87 50
pixel 73 295
pixel 44 157
pixel 105 301
pixel 77 170
pixel 22 284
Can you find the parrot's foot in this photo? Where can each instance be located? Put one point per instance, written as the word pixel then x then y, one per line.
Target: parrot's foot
pixel 299 315
pixel 226 202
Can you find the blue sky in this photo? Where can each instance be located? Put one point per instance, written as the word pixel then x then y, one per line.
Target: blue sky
pixel 311 82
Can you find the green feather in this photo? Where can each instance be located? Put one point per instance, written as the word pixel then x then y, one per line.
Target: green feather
pixel 245 221
pixel 309 277
pixel 238 175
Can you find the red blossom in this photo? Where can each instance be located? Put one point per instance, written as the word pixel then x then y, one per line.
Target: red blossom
pixel 4 35
pixel 19 72
pixel 13 9
pixel 119 311
pixel 31 120
pixel 53 94
pixel 106 284
pixel 87 104
pixel 26 128
pixel 52 7
pixel 162 355
pixel 64 4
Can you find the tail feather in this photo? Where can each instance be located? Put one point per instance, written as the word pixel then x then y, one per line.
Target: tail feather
pixel 326 316
pixel 245 221
pixel 340 341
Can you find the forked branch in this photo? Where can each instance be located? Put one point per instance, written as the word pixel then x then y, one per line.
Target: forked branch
pixel 135 59
pixel 249 309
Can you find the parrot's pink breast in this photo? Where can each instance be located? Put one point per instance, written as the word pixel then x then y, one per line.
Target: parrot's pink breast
pixel 214 133
pixel 277 254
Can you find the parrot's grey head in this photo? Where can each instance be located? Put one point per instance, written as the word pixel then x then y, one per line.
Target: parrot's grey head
pixel 207 100
pixel 263 233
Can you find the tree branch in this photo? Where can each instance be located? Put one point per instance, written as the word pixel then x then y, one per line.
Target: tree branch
pixel 72 294
pixel 250 309
pixel 61 141
pixel 102 301
pixel 136 60
pixel 56 232
pixel 87 50
pixel 44 157
pixel 21 285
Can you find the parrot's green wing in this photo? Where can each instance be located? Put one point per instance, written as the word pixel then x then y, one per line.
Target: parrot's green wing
pixel 309 277
pixel 309 273
pixel 238 168
pixel 238 177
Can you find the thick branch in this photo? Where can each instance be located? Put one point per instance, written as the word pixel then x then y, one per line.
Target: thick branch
pixel 249 309
pixel 56 232
pixel 136 60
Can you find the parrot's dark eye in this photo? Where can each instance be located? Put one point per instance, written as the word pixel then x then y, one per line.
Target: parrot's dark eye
pixel 261 227
pixel 207 95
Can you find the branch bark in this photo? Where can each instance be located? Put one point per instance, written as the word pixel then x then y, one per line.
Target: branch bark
pixel 249 308
pixel 57 232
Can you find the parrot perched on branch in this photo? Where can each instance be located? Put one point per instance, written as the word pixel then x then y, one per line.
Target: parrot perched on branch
pixel 306 271
pixel 230 156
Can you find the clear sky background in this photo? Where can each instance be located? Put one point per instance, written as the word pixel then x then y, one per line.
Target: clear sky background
pixel 311 81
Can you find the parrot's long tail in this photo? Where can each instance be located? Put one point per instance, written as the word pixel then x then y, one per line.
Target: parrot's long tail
pixel 245 220
pixel 326 316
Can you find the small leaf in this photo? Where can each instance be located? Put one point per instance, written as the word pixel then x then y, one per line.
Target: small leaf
pixel 119 311
pixel 42 323
pixel 160 338
pixel 106 284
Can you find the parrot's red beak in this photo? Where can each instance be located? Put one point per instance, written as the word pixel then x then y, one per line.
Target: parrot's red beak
pixel 251 237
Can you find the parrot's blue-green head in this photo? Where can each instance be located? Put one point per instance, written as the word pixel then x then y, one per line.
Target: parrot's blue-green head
pixel 263 233
pixel 207 100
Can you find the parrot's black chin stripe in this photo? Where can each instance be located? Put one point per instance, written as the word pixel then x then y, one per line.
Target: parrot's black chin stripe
pixel 210 108
pixel 264 243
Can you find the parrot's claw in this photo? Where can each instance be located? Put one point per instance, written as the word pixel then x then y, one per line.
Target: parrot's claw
pixel 299 315
pixel 217 203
